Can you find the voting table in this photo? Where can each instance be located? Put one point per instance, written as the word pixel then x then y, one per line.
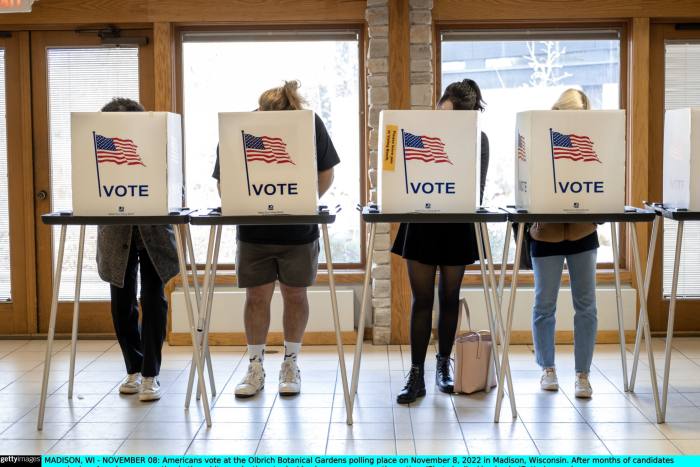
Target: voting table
pixel 680 216
pixel 631 216
pixel 216 221
pixel 480 218
pixel 63 219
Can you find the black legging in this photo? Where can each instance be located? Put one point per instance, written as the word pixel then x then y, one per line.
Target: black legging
pixel 422 279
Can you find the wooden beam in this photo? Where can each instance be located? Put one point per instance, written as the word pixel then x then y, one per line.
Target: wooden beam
pixel 529 10
pixel 638 127
pixel 399 98
pixel 163 75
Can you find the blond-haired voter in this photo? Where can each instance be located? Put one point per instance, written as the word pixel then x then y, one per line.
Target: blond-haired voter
pixel 551 245
pixel 123 251
pixel 288 254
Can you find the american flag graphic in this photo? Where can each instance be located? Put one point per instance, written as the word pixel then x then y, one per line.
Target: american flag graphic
pixel 266 149
pixel 522 155
pixel 424 148
pixel 573 147
pixel 116 151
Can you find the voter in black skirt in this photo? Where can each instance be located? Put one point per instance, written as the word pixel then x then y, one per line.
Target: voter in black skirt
pixel 449 247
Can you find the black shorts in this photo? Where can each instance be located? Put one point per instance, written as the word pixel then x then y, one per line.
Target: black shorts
pixel 293 265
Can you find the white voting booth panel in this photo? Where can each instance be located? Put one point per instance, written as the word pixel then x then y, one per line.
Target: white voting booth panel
pixel 429 160
pixel 268 163
pixel 682 159
pixel 570 161
pixel 126 163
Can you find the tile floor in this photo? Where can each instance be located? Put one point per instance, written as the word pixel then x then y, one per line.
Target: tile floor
pixel 99 420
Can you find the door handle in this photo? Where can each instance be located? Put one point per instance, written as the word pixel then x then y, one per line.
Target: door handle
pixel 42 195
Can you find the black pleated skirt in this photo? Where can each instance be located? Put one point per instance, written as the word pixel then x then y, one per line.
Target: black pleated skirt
pixel 437 244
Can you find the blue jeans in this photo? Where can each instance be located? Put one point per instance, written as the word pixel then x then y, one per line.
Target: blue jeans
pixel 548 272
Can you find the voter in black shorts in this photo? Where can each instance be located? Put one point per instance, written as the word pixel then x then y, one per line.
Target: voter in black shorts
pixel 288 254
pixel 449 247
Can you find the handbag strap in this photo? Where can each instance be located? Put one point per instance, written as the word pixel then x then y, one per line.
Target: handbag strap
pixel 463 306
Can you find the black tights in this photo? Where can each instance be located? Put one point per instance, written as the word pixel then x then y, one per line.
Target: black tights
pixel 422 278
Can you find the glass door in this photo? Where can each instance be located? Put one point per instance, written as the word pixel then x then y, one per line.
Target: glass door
pixel 675 62
pixel 74 72
pixel 17 284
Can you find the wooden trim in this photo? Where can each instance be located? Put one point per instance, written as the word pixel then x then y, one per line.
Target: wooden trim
pixel 70 12
pixel 527 278
pixel 567 337
pixel 535 10
pixel 228 278
pixel 163 72
pixel 273 338
pixel 399 98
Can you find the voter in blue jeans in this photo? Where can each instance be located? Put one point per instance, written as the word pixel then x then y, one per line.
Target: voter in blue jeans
pixel 551 245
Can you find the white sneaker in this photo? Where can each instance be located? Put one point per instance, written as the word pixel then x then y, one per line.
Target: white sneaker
pixel 150 389
pixel 131 384
pixel 253 382
pixel 290 378
pixel 583 389
pixel 549 381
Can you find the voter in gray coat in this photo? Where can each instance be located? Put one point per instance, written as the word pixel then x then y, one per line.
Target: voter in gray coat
pixel 121 251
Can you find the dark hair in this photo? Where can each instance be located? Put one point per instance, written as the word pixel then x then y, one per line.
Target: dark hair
pixel 464 95
pixel 122 104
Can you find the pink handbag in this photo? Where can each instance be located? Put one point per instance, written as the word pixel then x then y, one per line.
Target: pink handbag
pixel 473 362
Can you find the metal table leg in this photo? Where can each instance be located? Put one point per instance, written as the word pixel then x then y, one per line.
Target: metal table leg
pixel 76 311
pixel 618 296
pixel 201 305
pixel 52 327
pixel 505 367
pixel 363 317
pixel 208 302
pixel 489 306
pixel 336 323
pixel 498 317
pixel 644 316
pixel 671 320
pixel 645 290
pixel 190 316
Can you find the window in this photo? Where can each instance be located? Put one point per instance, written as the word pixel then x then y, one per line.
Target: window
pixel 682 90
pixel 528 70
pixel 227 72
pixel 82 80
pixel 5 280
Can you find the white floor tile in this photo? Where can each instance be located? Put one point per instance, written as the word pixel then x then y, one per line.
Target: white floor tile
pixel 570 447
pixel 221 447
pixel 440 446
pixel 355 447
pixel 147 446
pixel 641 447
pixel 81 446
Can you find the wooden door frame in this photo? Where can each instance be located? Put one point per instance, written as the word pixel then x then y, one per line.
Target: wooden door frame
pixel 19 315
pixel 94 315
pixel 687 320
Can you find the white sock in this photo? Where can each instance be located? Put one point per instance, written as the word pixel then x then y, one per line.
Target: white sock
pixel 291 350
pixel 256 351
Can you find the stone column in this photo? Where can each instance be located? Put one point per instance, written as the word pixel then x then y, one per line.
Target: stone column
pixel 378 90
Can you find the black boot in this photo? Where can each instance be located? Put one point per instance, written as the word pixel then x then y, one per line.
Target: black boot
pixel 414 388
pixel 443 375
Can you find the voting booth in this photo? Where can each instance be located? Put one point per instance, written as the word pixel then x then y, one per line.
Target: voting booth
pixel 429 161
pixel 126 163
pixel 268 163
pixel 570 161
pixel 682 159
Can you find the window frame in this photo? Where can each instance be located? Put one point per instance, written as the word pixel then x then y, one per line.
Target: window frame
pixel 604 273
pixel 320 32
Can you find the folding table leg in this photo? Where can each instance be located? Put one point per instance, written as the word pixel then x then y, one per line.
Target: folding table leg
pixel 190 316
pixel 644 316
pixel 489 307
pixel 200 310
pixel 363 317
pixel 52 327
pixel 336 323
pixel 618 296
pixel 645 290
pixel 505 366
pixel 76 311
pixel 671 320
pixel 207 303
pixel 498 318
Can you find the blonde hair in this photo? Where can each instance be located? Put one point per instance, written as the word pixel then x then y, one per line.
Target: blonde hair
pixel 572 99
pixel 284 97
